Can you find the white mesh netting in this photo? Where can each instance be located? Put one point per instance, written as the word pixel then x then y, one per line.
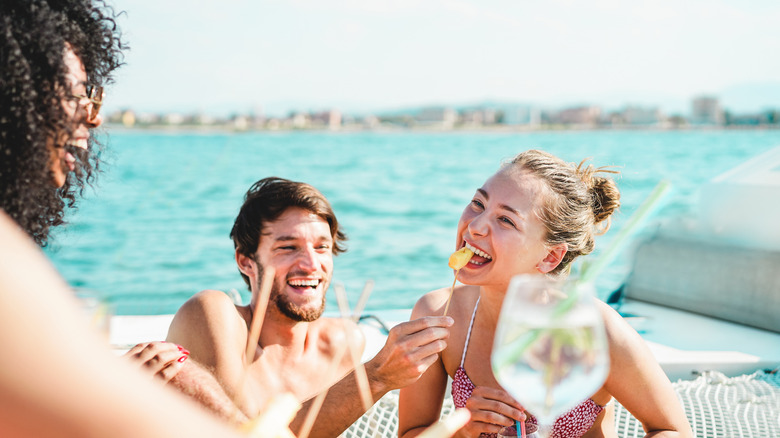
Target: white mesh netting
pixel 717 407
pixel 382 419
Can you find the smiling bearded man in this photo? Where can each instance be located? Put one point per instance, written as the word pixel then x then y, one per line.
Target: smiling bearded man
pixel 288 230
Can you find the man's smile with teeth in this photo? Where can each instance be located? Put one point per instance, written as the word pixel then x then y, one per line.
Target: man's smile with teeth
pixel 304 283
pixel 478 252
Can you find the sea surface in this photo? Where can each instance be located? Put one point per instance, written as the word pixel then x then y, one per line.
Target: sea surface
pixel 154 231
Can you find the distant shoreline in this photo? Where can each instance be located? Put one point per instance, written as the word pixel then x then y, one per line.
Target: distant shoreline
pixel 116 127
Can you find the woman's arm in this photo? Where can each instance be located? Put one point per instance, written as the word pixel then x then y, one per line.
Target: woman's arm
pixel 57 378
pixel 637 381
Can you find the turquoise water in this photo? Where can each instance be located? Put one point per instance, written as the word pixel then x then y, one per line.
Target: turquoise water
pixel 155 230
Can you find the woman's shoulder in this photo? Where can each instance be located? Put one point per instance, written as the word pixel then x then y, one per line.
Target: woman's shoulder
pixel 623 339
pixel 434 302
pixel 429 303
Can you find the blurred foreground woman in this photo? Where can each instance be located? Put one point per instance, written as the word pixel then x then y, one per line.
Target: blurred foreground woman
pixel 56 377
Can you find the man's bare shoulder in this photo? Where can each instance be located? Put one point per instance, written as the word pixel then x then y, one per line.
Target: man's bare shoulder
pixel 337 332
pixel 337 329
pixel 206 306
pixel 209 315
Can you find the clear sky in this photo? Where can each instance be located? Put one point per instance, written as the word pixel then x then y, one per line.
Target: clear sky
pixel 238 55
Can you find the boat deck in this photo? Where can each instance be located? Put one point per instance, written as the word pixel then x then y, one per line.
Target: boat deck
pixel 685 344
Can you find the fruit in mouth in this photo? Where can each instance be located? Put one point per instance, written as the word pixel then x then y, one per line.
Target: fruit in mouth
pixel 459 258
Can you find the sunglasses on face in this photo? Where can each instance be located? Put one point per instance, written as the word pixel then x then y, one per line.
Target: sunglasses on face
pixel 94 97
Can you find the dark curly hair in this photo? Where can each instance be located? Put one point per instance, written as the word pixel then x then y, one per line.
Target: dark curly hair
pixel 33 37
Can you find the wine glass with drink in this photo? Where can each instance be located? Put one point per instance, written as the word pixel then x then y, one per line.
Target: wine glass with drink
pixel 550 349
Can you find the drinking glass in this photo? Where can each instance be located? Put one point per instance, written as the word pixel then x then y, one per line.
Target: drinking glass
pixel 550 350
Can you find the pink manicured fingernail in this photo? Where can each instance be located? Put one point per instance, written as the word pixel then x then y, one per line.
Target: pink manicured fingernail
pixel 183 358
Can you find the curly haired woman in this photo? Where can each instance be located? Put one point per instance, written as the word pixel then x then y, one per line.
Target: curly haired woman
pixel 57 51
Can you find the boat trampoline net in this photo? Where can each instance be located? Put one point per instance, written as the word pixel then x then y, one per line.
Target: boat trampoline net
pixel 382 419
pixel 717 406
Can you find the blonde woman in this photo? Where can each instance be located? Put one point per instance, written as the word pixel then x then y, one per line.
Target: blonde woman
pixel 534 216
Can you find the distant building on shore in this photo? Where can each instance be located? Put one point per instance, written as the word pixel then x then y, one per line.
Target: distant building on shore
pixel 521 115
pixel 706 110
pixel 174 119
pixel 478 116
pixel 330 119
pixel 642 116
pixel 444 116
pixel 581 115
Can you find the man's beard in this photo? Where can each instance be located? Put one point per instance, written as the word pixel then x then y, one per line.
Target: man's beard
pixel 287 307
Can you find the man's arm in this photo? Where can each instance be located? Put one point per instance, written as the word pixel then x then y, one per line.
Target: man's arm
pixel 168 361
pixel 198 383
pixel 209 326
pixel 410 349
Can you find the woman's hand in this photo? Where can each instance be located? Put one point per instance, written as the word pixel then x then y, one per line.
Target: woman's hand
pixel 491 409
pixel 161 359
